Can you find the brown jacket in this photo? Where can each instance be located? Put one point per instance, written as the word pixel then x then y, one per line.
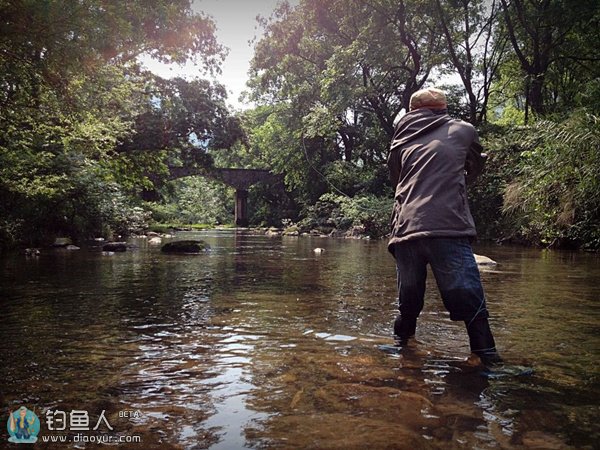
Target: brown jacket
pixel 431 158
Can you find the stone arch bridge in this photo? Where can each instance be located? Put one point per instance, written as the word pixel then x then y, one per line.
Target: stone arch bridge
pixel 240 179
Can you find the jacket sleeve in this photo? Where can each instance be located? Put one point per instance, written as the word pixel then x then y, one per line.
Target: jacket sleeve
pixel 475 161
pixel 394 165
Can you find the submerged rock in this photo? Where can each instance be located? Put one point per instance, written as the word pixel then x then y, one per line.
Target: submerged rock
pixel 539 439
pixel 187 246
pixel 114 247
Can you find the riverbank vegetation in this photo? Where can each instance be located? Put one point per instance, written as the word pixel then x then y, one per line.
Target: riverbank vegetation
pixel 87 136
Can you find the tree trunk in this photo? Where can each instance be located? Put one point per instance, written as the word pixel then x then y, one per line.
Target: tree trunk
pixel 536 98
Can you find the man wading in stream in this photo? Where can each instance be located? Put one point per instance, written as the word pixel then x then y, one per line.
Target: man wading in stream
pixel 432 158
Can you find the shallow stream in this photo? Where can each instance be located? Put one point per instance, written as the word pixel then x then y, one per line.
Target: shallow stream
pixel 263 343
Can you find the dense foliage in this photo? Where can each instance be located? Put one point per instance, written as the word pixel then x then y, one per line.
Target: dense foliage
pixel 555 197
pixel 334 75
pixel 82 129
pixel 87 138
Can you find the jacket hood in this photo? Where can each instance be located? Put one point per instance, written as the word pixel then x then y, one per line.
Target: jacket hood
pixel 417 123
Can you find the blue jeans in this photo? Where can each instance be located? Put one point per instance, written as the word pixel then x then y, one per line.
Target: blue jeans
pixel 455 271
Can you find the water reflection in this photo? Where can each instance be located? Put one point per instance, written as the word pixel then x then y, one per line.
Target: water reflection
pixel 264 343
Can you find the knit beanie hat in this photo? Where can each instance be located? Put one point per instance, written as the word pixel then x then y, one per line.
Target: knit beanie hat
pixel 428 98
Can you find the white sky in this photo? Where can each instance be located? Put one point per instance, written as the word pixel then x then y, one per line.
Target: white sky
pixel 236 27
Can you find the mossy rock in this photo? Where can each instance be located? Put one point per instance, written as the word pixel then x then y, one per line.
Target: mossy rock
pixel 188 246
pixel 292 231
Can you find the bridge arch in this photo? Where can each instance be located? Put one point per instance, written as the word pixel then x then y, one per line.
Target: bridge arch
pixel 239 179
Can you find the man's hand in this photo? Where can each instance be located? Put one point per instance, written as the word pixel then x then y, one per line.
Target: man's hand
pixel 474 162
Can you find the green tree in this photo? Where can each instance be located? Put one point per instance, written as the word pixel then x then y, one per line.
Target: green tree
pixel 70 91
pixel 551 36
pixel 181 124
pixel 475 49
pixel 195 200
pixel 337 73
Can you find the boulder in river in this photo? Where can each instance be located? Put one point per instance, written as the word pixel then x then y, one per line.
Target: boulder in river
pixel 273 232
pixel 114 247
pixel 484 261
pixel 61 242
pixel 186 246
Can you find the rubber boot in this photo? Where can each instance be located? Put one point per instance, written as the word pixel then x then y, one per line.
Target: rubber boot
pixel 482 342
pixel 404 328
